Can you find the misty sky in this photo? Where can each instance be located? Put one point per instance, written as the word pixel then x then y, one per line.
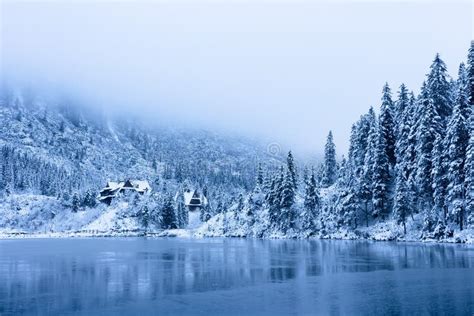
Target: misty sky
pixel 288 71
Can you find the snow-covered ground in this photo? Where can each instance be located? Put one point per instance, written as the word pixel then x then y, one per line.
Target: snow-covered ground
pixel 30 216
pixel 385 231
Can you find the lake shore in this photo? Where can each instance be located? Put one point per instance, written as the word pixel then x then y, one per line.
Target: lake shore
pixel 463 237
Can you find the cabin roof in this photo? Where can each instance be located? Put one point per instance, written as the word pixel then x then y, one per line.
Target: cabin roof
pixel 113 185
pixel 188 195
pixel 141 185
pixel 138 185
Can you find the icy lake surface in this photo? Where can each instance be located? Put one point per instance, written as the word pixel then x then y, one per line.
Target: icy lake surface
pixel 134 276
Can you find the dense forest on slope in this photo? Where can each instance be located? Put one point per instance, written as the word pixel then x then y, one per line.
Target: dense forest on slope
pixel 416 157
pixel 409 169
pixel 66 153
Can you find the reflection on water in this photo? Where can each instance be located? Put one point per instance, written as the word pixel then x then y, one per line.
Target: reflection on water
pixel 233 277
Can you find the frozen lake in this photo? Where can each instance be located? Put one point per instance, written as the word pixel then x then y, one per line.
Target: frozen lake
pixel 134 276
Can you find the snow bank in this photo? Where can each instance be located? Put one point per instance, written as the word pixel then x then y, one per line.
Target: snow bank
pixel 35 216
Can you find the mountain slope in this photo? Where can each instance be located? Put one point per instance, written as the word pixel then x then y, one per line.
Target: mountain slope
pixel 93 150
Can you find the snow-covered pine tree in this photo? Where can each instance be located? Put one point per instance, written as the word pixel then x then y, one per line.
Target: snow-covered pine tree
pixel 240 204
pixel 279 186
pixel 365 182
pixel 352 192
pixel 402 205
pixel 267 184
pixel 145 217
pixel 352 153
pixel 318 173
pixel 380 177
pixel 439 178
pixel 342 169
pixel 75 202
pixel 404 154
pixel 439 90
pixel 291 167
pixel 430 220
pixel 403 146
pixel 250 210
pixel 350 204
pixel 181 210
pixel 401 107
pixel 311 204
pixel 364 127
pixel 135 198
pixel 469 173
pixel 257 193
pixel 168 215
pixel 409 157
pixel 89 199
pixel 287 199
pixel 470 74
pixel 272 198
pixel 457 141
pixel 425 136
pixel 469 169
pixel 462 92
pixel 219 206
pixel 259 176
pixel 205 213
pixel 329 175
pixel 387 125
pixel 305 174
pixel 270 185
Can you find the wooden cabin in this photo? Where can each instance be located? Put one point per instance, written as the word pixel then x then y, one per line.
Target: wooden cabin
pixel 113 189
pixel 194 200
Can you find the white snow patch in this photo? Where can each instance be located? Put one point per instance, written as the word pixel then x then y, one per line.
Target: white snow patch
pixel 194 220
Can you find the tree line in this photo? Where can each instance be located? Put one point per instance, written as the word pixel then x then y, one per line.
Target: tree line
pixel 415 157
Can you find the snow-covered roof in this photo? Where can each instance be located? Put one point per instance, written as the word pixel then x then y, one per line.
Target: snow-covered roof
pixel 114 185
pixel 138 185
pixel 141 185
pixel 188 195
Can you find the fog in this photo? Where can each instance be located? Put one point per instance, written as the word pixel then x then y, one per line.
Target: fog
pixel 285 71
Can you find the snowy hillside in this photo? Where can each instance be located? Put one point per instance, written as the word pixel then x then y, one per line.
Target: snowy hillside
pixel 56 157
pixel 115 148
